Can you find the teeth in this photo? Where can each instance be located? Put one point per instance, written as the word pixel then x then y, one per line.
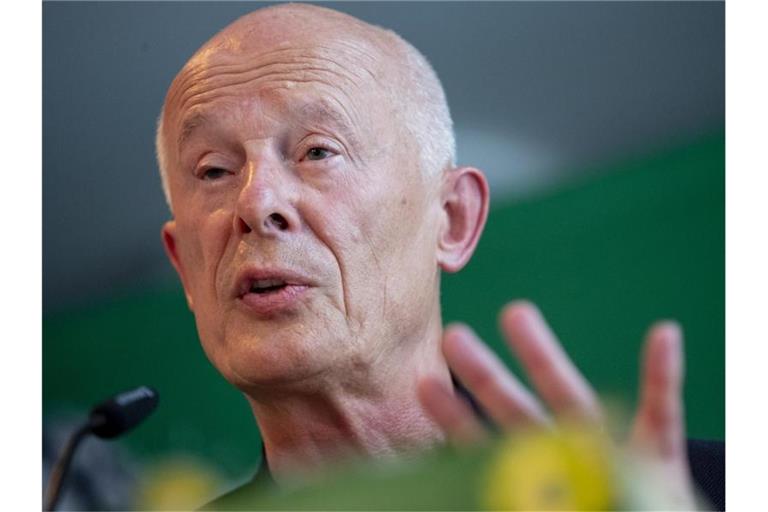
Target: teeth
pixel 266 283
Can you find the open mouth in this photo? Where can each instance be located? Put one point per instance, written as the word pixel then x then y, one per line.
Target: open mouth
pixel 268 292
pixel 265 286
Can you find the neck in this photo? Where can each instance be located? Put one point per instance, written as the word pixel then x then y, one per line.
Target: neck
pixel 373 414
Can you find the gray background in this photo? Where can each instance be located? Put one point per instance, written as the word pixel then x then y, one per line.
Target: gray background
pixel 541 94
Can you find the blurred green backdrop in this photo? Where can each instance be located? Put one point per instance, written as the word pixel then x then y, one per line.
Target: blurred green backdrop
pixel 602 257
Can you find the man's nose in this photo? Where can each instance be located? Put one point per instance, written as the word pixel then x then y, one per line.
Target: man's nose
pixel 264 205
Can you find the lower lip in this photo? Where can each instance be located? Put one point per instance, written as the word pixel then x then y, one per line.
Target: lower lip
pixel 272 303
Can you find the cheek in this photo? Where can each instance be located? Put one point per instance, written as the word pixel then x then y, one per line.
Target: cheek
pixel 383 243
pixel 393 222
pixel 205 241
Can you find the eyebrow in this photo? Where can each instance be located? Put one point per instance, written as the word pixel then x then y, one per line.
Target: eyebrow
pixel 323 112
pixel 189 125
pixel 313 112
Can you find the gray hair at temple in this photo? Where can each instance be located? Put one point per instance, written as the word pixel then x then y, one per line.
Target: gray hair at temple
pixel 422 107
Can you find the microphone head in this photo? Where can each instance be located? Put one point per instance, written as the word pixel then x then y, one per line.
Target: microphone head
pixel 122 412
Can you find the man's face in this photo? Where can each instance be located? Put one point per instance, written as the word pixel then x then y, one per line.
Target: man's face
pixel 304 232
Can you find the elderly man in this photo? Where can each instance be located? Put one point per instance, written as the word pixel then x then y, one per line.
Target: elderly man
pixel 308 160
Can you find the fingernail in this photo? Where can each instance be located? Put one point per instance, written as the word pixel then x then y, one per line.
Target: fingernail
pixel 459 329
pixel 522 314
pixel 521 306
pixel 671 329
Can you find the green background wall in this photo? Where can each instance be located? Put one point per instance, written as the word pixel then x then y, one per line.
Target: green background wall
pixel 603 258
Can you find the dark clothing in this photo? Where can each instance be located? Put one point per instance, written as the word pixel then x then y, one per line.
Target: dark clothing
pixel 707 462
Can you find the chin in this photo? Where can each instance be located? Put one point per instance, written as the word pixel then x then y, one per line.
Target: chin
pixel 277 358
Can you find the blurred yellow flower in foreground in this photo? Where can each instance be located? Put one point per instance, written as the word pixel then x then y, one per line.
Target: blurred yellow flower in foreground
pixel 180 483
pixel 567 469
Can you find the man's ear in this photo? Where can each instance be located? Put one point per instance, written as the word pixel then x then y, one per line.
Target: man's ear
pixel 169 242
pixel 465 202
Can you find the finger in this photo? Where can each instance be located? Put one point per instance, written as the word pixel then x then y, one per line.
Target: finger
pixel 659 425
pixel 502 396
pixel 552 373
pixel 450 412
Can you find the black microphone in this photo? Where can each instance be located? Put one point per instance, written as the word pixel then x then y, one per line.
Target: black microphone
pixel 109 419
pixel 122 412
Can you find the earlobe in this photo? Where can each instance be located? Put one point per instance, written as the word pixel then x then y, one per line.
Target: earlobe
pixel 465 200
pixel 168 234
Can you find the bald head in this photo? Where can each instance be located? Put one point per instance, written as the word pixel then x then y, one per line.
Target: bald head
pixel 279 25
pixel 302 152
pixel 406 86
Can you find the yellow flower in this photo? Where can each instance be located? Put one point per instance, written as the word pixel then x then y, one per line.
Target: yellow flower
pixel 177 484
pixel 569 469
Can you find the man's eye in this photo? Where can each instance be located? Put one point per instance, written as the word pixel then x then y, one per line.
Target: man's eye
pixel 213 173
pixel 318 154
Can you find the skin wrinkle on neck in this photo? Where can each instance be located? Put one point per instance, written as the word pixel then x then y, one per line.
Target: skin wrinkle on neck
pixel 385 424
pixel 375 422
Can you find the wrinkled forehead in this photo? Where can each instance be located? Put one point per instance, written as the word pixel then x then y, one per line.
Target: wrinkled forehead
pixel 338 64
pixel 351 60
pixel 339 76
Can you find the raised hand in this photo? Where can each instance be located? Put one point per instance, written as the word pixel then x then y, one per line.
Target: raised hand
pixel 657 435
